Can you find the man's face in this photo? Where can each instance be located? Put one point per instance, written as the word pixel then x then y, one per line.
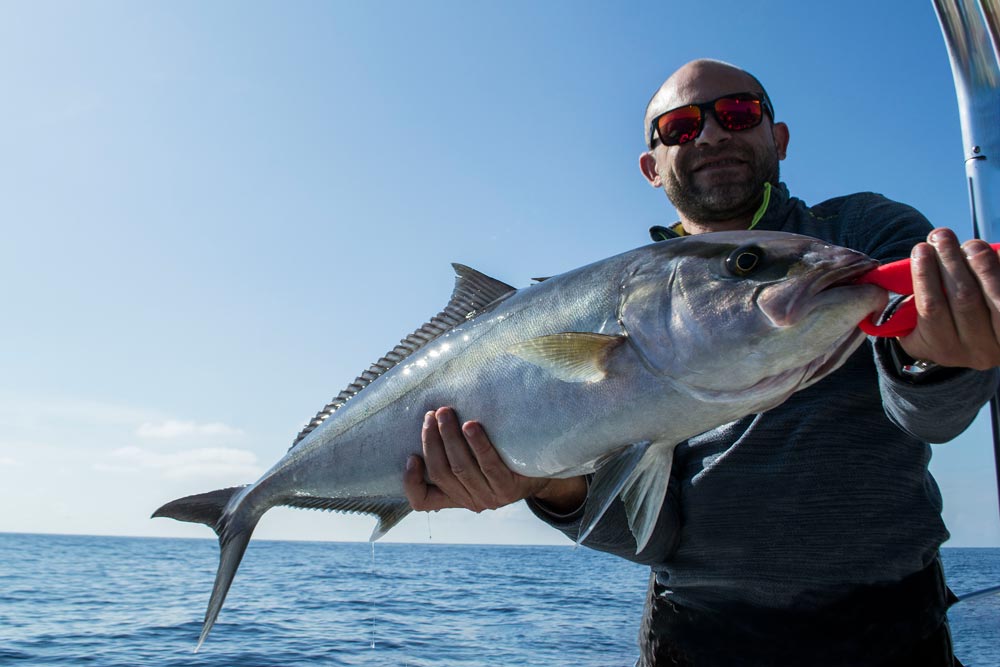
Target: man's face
pixel 719 175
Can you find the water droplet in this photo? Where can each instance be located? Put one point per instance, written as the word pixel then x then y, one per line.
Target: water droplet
pixel 374 579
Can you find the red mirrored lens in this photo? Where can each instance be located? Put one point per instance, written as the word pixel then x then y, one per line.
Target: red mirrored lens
pixel 738 114
pixel 679 126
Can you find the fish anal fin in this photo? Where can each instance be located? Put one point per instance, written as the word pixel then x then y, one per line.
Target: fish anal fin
pixel 570 356
pixel 607 483
pixel 389 511
pixel 388 516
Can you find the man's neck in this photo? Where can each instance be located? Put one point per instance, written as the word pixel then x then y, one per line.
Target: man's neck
pixel 737 224
pixel 745 221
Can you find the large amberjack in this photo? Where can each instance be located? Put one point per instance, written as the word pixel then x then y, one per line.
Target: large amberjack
pixel 604 368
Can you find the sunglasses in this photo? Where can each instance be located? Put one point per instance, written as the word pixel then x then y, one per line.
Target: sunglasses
pixel 735 112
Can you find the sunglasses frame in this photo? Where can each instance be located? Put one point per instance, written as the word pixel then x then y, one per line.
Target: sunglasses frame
pixel 704 108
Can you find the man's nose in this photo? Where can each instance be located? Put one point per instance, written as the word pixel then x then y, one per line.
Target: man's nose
pixel 711 132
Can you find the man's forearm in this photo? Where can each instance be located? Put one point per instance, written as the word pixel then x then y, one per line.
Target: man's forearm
pixel 563 496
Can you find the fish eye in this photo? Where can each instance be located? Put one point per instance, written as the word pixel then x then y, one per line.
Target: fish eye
pixel 744 260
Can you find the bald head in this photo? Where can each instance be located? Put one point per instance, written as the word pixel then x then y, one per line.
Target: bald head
pixel 715 177
pixel 695 82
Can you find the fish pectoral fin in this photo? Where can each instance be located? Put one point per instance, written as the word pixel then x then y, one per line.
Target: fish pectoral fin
pixel 645 491
pixel 607 483
pixel 389 511
pixel 570 357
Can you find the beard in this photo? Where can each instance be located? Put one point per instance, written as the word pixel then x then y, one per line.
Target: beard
pixel 726 200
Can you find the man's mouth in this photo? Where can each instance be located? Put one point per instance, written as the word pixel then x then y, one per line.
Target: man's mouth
pixel 726 163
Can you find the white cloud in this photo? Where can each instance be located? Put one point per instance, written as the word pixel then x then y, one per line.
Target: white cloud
pixel 32 414
pixel 171 429
pixel 77 420
pixel 184 464
pixel 7 461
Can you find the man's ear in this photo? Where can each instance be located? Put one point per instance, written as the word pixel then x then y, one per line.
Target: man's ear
pixel 647 164
pixel 780 132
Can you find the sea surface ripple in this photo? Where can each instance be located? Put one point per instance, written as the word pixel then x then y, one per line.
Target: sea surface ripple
pixel 113 601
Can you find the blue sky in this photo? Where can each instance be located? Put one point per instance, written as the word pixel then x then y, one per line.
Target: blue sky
pixel 214 215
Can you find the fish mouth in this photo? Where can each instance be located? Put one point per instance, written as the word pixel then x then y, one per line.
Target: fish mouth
pixel 846 275
pixel 834 285
pixel 788 304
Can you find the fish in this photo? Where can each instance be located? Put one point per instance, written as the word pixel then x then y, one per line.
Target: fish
pixel 601 370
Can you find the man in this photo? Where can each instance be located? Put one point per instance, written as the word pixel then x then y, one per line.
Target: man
pixel 807 535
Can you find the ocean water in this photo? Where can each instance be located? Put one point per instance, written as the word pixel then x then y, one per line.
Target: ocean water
pixel 73 600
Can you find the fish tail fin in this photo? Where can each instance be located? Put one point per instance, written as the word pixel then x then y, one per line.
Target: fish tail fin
pixel 233 520
pixel 203 508
pixel 234 530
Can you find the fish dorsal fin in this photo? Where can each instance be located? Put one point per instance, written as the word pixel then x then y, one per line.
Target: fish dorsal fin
pixel 570 357
pixel 474 292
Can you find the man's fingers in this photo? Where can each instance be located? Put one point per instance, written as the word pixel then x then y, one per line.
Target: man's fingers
pixel 462 462
pixel 423 497
pixel 417 491
pixel 957 294
pixel 928 292
pixel 461 468
pixel 968 310
pixel 985 266
pixel 437 459
pixel 507 486
pixel 486 454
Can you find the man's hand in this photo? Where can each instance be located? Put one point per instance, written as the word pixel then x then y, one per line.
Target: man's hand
pixel 957 293
pixel 461 468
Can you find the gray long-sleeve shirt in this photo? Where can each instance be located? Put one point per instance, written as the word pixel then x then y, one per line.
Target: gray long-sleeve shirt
pixel 792 508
